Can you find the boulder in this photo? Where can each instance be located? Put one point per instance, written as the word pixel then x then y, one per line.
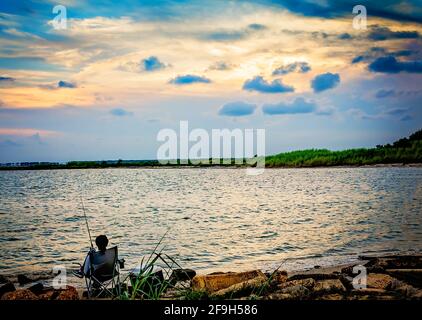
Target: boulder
pixel 3 279
pixel 315 276
pixel 6 287
pixel 379 281
pixel 329 286
pixel 20 294
pixel 347 271
pixel 307 283
pixel 155 279
pixel 23 279
pixel 371 297
pixel 278 277
pixel 331 297
pixel 297 292
pixel 411 276
pixel 50 294
pixel 369 291
pixel 217 281
pixel 245 288
pixel 69 293
pixel 395 262
pixel 403 288
pixel 279 296
pixel 37 288
pixel 404 262
pixel 181 275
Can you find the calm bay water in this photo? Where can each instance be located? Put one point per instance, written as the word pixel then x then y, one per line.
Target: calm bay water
pixel 218 219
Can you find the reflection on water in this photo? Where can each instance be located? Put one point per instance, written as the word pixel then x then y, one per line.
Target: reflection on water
pixel 217 218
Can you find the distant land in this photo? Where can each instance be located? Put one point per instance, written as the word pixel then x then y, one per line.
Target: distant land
pixel 403 151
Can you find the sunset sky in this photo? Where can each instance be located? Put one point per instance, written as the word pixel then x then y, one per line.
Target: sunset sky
pixel 103 87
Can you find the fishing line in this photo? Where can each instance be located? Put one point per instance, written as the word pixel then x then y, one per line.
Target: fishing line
pixel 86 222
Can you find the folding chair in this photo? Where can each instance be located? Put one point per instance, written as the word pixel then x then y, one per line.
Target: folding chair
pixel 104 271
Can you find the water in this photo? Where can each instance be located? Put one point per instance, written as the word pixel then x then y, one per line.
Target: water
pixel 218 219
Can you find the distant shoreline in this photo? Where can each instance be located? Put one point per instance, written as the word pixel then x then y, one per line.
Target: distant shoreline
pixel 379 165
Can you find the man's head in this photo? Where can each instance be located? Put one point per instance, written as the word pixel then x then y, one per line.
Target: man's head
pixel 101 242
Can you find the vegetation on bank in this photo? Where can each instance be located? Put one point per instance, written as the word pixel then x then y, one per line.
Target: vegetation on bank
pixel 405 150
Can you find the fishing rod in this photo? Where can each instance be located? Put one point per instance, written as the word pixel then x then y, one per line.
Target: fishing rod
pixel 86 221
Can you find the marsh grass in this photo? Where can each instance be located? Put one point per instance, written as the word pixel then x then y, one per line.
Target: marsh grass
pixel 150 283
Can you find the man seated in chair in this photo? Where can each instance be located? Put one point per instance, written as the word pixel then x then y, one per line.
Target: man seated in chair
pixel 101 241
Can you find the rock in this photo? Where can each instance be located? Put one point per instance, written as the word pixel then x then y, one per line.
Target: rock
pixel 403 288
pixel 411 276
pixel 297 292
pixel 217 281
pixel 371 297
pixel 278 277
pixel 395 262
pixel 404 262
pixel 417 295
pixel 347 270
pixel 181 275
pixel 329 286
pixel 36 288
pixel 307 283
pixel 50 294
pixel 315 276
pixel 23 279
pixel 3 279
pixel 245 288
pixel 69 293
pixel 317 267
pixel 20 294
pixel 154 280
pixel 331 297
pixel 279 296
pixel 369 291
pixel 347 282
pixel 379 281
pixel 6 287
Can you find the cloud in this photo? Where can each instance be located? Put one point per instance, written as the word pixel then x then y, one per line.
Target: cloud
pixel 119 112
pixel 9 143
pixel 6 79
pixel 378 52
pixel 396 112
pixel 237 109
pixel 227 35
pixel 403 53
pixel 152 64
pixel 380 94
pixel 221 66
pixel 390 64
pixel 66 84
pixel 325 81
pixel 257 26
pixel 261 85
pixel 388 9
pixel 26 132
pixel 189 79
pixel 379 33
pixel 27 63
pixel 406 118
pixel 298 106
pixel 301 67
pixel 36 138
pixel 345 36
pixel 358 59
pixel 234 35
pixel 384 94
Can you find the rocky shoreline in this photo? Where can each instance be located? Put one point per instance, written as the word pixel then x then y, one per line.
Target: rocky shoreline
pixel 394 277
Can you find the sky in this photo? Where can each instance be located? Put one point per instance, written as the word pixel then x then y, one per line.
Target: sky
pixel 104 86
